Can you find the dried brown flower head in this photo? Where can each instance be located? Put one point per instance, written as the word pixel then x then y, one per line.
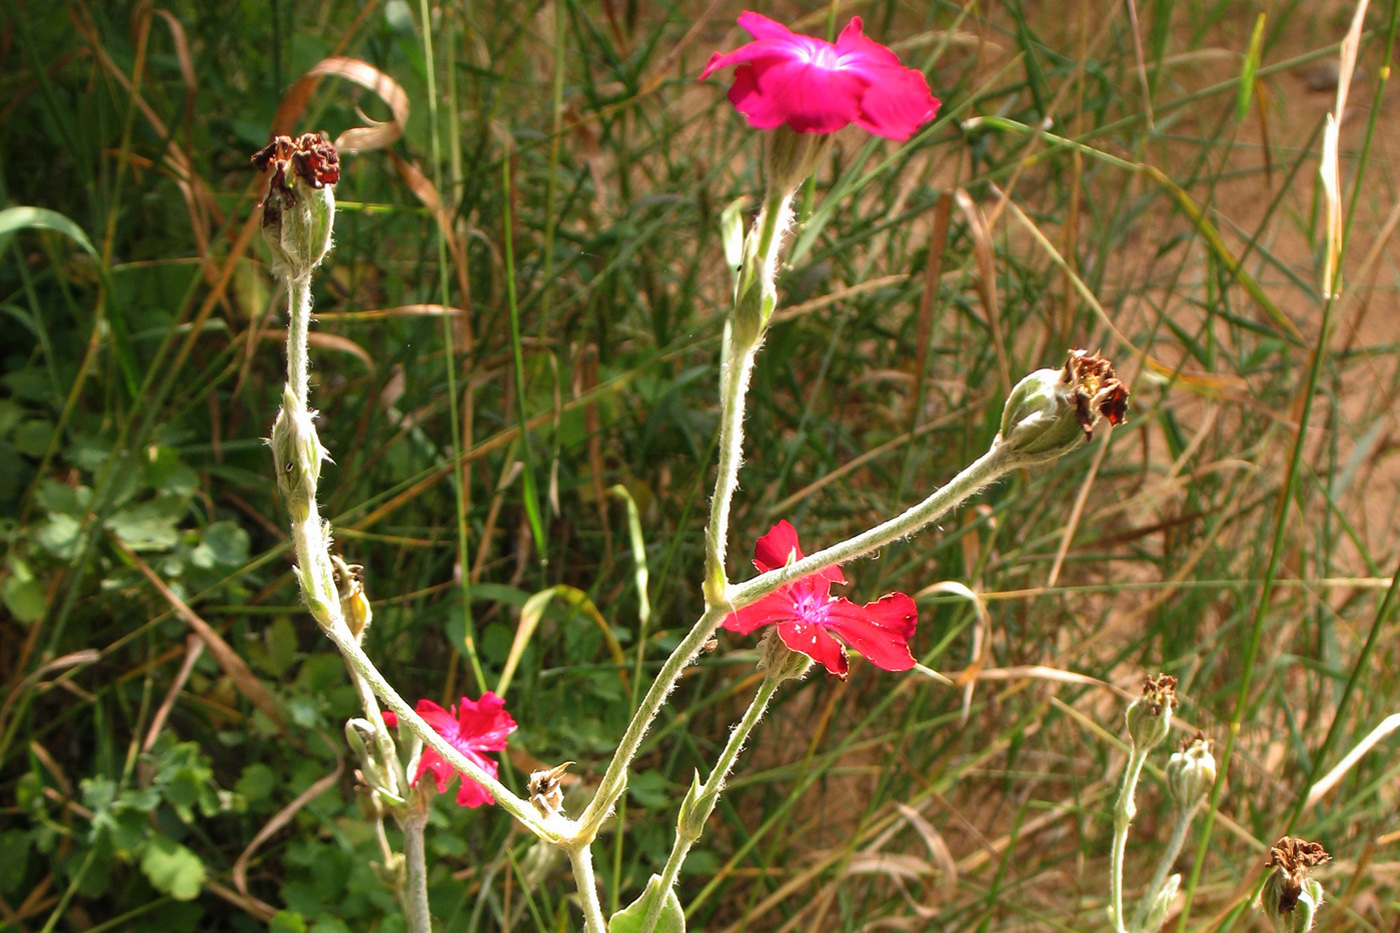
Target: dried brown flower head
pixel 1294 858
pixel 1096 390
pixel 298 209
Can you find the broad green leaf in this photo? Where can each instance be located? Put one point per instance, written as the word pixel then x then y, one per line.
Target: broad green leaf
pixel 151 525
pixel 285 921
pixel 629 919
pixel 15 219
pixel 23 595
pixel 173 869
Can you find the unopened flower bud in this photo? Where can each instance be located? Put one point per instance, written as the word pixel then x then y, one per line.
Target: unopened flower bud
pixel 1052 412
pixel 778 661
pixel 695 809
pixel 1161 903
pixel 1150 715
pixel 1291 897
pixel 297 454
pixel 299 207
pixel 1191 772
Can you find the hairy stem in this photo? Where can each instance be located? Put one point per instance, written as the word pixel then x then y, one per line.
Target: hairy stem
pixel 415 893
pixel 1184 816
pixel 1123 813
pixel 688 832
pixel 988 468
pixel 581 858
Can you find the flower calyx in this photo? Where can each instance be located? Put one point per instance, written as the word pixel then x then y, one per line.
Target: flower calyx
pixel 1191 772
pixel 1291 896
pixel 298 209
pixel 1053 412
pixel 1149 716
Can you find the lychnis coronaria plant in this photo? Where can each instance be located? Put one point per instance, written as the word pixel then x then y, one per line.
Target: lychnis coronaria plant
pixel 797 91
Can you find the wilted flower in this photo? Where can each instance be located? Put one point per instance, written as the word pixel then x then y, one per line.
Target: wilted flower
pixel 1053 411
pixel 1149 716
pixel 809 619
pixel 299 206
pixel 809 84
pixel 1191 772
pixel 471 727
pixel 1291 897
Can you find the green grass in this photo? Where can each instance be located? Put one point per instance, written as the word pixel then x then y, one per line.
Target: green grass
pixel 582 174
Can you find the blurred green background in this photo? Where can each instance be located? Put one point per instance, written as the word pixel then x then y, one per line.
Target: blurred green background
pixel 523 310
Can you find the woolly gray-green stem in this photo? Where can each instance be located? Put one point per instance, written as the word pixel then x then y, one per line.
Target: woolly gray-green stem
pixel 581 859
pixel 987 469
pixel 704 797
pixel 754 299
pixel 1123 813
pixel 1184 816
pixel 415 891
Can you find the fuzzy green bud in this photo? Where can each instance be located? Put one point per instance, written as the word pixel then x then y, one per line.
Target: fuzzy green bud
pixel 1053 412
pixel 297 454
pixel 299 207
pixel 1150 715
pixel 695 810
pixel 1191 772
pixel 1162 903
pixel 1291 897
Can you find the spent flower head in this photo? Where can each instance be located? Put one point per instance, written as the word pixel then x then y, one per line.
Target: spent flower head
pixel 298 209
pixel 1150 715
pixel 1052 412
pixel 809 620
pixel 1191 772
pixel 472 727
pixel 1291 896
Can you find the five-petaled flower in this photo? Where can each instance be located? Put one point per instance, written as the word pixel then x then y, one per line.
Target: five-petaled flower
pixel 471 727
pixel 808 616
pixel 814 86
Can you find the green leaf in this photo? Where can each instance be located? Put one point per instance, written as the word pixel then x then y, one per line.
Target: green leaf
pixel 225 544
pixel 150 526
pixel 15 219
pixel 23 595
pixel 1251 68
pixel 671 919
pixel 173 869
pixel 59 536
pixel 285 921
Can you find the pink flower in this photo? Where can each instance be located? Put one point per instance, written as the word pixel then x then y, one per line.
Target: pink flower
pixel 816 87
pixel 808 616
pixel 472 727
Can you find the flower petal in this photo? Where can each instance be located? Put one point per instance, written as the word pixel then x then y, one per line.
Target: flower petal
pixel 391 718
pixel 807 97
pixel 897 105
pixel 775 607
pixel 856 50
pixel 761 27
pixel 769 51
pixel 471 794
pixel 441 721
pixel 880 630
pixel 780 546
pixel 484 724
pixel 814 641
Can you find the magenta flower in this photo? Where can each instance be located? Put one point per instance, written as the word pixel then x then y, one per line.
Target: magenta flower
pixel 808 616
pixel 471 727
pixel 816 87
